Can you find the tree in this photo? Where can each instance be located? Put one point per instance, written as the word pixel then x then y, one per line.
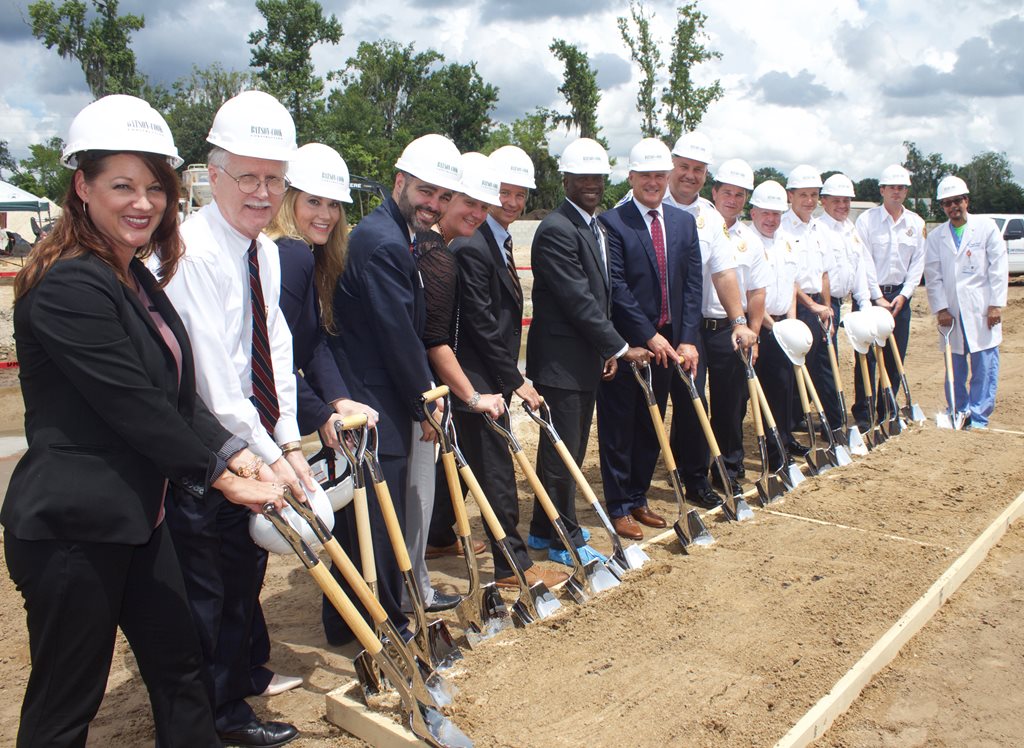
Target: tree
pixel 101 46
pixel 579 87
pixel 686 103
pixel 281 57
pixel 530 133
pixel 769 172
pixel 41 173
pixel 454 101
pixel 925 173
pixel 990 180
pixel 866 190
pixel 643 50
pixel 196 99
pixel 7 162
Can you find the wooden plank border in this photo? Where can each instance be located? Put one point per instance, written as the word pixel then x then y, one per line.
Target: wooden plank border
pixel 375 728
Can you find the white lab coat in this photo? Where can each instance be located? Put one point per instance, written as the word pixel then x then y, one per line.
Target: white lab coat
pixel 968 280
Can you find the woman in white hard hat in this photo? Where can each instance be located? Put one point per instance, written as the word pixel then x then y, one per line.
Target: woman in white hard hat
pixel 111 416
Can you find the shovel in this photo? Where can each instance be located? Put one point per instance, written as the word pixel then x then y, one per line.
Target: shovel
pixel 790 474
pixel 848 435
pixel 875 435
pixel 622 558
pixel 912 411
pixel 482 613
pixel 433 641
pixel 689 527
pixel 770 485
pixel 355 452
pixel 734 506
pixel 586 579
pixel 952 419
pixel 422 717
pixel 818 458
pixel 893 423
pixel 837 451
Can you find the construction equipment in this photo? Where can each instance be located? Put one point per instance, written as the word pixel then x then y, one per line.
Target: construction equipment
pixel 482 613
pixel 733 505
pixel 622 558
pixel 689 527
pixel 952 418
pixel 846 433
pixel 195 183
pixel 770 485
pixel 586 579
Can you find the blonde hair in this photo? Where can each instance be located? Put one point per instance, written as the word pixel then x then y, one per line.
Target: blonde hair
pixel 329 258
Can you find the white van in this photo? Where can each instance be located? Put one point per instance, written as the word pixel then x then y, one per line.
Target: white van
pixel 1012 226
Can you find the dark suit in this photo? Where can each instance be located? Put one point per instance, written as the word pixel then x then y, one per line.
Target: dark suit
pixel 571 337
pixel 107 424
pixel 628 443
pixel 380 311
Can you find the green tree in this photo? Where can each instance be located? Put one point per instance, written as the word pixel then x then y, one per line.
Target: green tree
pixel 7 162
pixel 925 173
pixel 456 102
pixel 990 180
pixel 195 100
pixel 866 190
pixel 281 58
pixel 101 45
pixel 579 87
pixel 643 50
pixel 685 102
pixel 769 172
pixel 530 133
pixel 41 173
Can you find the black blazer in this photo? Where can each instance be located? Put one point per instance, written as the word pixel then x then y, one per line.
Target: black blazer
pixel 636 289
pixel 105 418
pixel 490 315
pixel 572 334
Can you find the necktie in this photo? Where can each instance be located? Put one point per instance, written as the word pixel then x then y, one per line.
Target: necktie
pixel 264 392
pixel 510 265
pixel 658 237
pixel 600 249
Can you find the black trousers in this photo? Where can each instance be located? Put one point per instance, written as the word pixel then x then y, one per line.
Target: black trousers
pixel 76 595
pixel 820 367
pixel 775 373
pixel 902 335
pixel 689 446
pixel 727 394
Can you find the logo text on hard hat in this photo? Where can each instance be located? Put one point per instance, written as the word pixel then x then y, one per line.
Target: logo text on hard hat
pixel 259 131
pixel 450 168
pixel 329 177
pixel 141 124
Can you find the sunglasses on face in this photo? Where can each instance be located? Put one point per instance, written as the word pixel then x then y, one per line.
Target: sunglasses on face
pixel 951 201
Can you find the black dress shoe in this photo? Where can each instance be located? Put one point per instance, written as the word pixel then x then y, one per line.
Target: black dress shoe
pixel 796 449
pixel 262 734
pixel 703 496
pixel 443 601
pixel 734 486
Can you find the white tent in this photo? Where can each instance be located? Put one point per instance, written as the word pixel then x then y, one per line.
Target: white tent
pixel 14 198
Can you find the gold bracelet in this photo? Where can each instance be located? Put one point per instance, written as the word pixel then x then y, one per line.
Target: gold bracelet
pixel 252 469
pixel 290 447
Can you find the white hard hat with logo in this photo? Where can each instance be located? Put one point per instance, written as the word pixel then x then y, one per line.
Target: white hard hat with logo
pixel 951 187
pixel 693 145
pixel 267 537
pixel 736 172
pixel 433 159
pixel 803 177
pixel 770 195
pixel 794 338
pixel 320 170
pixel 514 166
pixel 479 179
pixel 894 174
pixel 860 329
pixel 119 123
pixel 256 125
pixel 650 154
pixel 838 185
pixel 584 156
pixel 883 322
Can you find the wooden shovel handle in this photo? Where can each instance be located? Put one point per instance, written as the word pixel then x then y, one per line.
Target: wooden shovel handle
pixel 351 574
pixel 577 474
pixel 354 421
pixel 346 609
pixel 835 367
pixel 883 373
pixel 451 474
pixel 812 390
pixel 766 410
pixel 705 424
pixel 435 394
pixel 801 387
pixel 538 488
pixel 862 358
pixel 395 534
pixel 659 430
pixel 896 354
pixel 362 512
pixel 948 354
pixel 755 407
pixel 481 501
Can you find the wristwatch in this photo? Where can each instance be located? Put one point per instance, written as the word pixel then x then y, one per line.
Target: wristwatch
pixel 741 320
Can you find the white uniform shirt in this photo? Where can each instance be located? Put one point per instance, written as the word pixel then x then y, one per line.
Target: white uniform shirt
pixel 848 260
pixel 781 261
pixel 751 271
pixel 895 248
pixel 812 257
pixel 210 290
pixel 716 250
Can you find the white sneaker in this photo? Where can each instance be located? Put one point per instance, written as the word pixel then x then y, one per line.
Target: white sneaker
pixel 281 683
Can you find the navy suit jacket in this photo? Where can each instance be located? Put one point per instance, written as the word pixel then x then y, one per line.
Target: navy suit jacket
pixel 636 289
pixel 380 311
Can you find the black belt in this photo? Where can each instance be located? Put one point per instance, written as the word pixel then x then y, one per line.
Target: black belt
pixel 838 299
pixel 777 317
pixel 891 289
pixel 716 323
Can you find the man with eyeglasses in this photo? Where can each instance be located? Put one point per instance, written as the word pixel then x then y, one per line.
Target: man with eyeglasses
pixel 226 290
pixel 893 239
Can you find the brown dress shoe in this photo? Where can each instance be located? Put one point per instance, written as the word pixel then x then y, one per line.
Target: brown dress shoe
pixel 626 527
pixel 455 549
pixel 645 516
pixel 552 579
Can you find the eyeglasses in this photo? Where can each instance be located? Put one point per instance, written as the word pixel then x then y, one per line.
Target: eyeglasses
pixel 249 183
pixel 951 201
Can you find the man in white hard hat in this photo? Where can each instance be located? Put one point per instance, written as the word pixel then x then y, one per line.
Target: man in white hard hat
pixel 379 346
pixel 893 238
pixel 727 376
pixel 490 337
pixel 572 343
pixel 767 204
pixel 655 264
pixel 966 274
pixel 226 290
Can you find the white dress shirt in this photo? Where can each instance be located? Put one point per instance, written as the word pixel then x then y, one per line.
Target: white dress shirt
pixel 811 256
pixel 210 291
pixel 716 250
pixel 780 258
pixel 848 274
pixel 751 271
pixel 895 248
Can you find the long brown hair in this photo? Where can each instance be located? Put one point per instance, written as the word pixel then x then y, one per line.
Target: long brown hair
pixel 329 258
pixel 75 234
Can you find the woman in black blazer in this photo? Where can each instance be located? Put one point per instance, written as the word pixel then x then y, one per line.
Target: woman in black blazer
pixel 111 415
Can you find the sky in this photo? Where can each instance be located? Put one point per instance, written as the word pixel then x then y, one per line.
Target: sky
pixel 838 84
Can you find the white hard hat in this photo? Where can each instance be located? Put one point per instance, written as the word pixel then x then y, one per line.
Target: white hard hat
pixel 256 125
pixel 838 185
pixel 514 166
pixel 119 123
pixel 320 170
pixel 803 176
pixel 951 187
pixel 770 195
pixel 266 536
pixel 650 154
pixel 894 174
pixel 883 322
pixel 736 172
pixel 794 338
pixel 479 179
pixel 860 329
pixel 433 159
pixel 584 156
pixel 693 145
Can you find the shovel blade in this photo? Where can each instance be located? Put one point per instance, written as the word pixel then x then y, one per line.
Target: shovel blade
pixel 371 682
pixel 819 461
pixel 435 729
pixel 444 652
pixel 737 509
pixel 843 456
pixel 856 442
pixel 617 565
pixel 544 603
pixel 691 530
pixel 794 475
pixel 635 556
pixel 578 592
pixel 600 578
pixel 770 489
pixel 913 413
pixel 943 421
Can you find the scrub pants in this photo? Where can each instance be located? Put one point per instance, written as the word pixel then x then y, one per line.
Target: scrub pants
pixel 980 399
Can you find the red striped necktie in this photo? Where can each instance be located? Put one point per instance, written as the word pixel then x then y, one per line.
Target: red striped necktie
pixel 264 392
pixel 658 239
